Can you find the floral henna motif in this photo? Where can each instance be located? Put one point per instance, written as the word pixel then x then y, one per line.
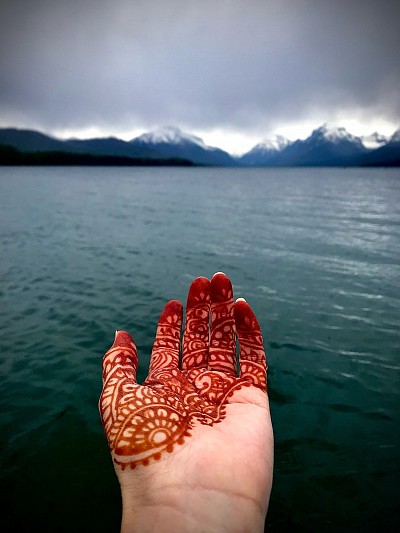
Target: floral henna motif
pixel 143 421
pixel 202 394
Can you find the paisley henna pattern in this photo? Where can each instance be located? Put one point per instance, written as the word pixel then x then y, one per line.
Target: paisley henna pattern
pixel 143 421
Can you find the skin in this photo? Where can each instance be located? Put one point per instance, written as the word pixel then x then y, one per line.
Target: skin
pixel 193 446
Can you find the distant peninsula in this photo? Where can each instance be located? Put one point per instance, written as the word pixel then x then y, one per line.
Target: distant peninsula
pixel 10 156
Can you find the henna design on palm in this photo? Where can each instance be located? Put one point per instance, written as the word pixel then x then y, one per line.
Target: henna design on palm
pixel 144 421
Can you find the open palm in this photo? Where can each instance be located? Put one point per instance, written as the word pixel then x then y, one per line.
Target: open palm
pixel 195 431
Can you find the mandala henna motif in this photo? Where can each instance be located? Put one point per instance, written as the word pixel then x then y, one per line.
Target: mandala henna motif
pixel 143 421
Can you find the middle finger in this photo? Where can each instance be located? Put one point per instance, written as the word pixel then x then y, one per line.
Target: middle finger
pixel 222 353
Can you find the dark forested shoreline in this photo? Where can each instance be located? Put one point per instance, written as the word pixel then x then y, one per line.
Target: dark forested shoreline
pixel 10 156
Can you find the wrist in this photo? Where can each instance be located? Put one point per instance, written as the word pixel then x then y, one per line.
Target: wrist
pixel 187 509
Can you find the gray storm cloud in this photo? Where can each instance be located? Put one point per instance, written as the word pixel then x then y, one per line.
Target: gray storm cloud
pixel 239 64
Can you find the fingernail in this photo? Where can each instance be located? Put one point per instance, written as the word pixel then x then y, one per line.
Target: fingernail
pixel 241 300
pixel 122 339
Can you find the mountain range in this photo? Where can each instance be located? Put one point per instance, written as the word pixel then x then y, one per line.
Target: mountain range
pixel 324 147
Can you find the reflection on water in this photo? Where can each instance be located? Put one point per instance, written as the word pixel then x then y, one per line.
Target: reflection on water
pixel 315 251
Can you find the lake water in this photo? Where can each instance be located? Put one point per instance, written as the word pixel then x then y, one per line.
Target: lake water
pixel 316 252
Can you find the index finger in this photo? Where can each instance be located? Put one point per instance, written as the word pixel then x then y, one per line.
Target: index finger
pixel 119 376
pixel 253 365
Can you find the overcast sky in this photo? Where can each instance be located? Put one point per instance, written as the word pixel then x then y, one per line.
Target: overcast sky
pixel 232 71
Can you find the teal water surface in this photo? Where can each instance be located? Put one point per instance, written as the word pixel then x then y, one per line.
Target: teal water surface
pixel 316 252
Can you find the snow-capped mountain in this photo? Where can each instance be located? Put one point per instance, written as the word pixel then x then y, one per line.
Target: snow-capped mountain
pixel 324 147
pixel 172 142
pixel 373 141
pixel 334 135
pixel 386 155
pixel 264 152
pixel 395 138
pixel 328 146
pixel 170 135
pixel 278 142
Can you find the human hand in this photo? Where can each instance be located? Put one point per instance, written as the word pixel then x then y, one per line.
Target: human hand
pixel 193 446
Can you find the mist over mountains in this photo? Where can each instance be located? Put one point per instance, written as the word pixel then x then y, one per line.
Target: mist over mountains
pixel 324 147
